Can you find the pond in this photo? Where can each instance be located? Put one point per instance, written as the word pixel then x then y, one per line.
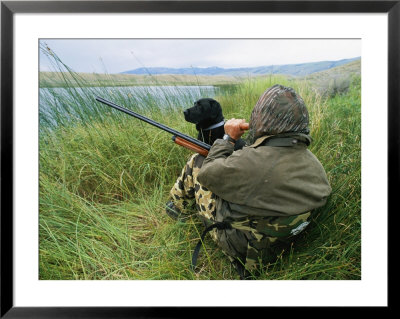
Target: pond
pixel 60 106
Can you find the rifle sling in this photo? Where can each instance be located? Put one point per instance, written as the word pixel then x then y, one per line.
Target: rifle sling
pixel 218 225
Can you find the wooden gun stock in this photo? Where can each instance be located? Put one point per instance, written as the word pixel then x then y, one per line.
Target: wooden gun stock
pixel 190 146
pixel 196 148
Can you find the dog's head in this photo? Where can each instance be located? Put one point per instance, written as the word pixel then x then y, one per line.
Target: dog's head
pixel 204 113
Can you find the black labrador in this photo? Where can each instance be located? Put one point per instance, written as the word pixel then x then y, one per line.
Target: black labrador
pixel 207 114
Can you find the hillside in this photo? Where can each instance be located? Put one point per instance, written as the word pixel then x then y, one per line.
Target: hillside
pixel 334 80
pixel 300 69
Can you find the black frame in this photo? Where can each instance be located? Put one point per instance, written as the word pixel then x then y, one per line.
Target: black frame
pixel 8 8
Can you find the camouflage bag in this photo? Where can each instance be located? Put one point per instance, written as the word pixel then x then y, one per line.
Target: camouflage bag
pixel 251 239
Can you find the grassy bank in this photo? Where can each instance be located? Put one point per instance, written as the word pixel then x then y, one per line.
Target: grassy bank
pixel 105 177
pixel 55 79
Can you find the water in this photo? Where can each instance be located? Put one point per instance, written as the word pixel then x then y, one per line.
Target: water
pixel 161 93
pixel 61 106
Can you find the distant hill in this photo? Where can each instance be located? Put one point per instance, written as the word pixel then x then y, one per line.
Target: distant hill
pixel 345 70
pixel 335 80
pixel 323 81
pixel 301 69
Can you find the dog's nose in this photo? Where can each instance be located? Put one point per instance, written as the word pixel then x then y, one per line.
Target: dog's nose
pixel 186 113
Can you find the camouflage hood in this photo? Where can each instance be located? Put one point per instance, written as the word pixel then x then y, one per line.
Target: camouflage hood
pixel 279 110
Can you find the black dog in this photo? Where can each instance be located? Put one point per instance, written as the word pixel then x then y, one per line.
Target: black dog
pixel 206 113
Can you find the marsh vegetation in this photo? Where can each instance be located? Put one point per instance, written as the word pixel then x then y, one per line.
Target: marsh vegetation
pixel 105 177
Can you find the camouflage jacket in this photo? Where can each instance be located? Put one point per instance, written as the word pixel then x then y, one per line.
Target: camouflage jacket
pixel 272 177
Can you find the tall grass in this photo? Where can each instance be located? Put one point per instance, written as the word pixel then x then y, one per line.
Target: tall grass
pixel 105 177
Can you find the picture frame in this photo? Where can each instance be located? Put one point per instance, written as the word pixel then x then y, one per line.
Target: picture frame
pixel 9 8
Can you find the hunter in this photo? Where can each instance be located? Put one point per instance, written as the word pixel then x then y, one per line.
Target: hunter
pixel 262 195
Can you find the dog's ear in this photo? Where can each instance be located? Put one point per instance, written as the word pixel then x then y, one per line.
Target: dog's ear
pixel 215 104
pixel 216 110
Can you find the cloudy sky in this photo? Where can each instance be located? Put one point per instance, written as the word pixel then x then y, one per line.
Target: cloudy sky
pixel 118 55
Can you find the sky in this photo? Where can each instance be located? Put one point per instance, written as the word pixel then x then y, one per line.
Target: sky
pixel 119 55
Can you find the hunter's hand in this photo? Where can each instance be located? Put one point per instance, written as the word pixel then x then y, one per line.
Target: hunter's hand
pixel 235 128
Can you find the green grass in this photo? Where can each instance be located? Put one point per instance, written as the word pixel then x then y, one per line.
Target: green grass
pixel 105 177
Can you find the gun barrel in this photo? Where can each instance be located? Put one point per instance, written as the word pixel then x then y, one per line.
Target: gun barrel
pixel 154 123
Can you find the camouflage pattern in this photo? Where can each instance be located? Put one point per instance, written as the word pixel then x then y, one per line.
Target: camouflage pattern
pixel 251 239
pixel 187 188
pixel 279 109
pixel 266 232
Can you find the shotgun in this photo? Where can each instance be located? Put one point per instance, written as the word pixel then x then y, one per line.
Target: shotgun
pixel 178 137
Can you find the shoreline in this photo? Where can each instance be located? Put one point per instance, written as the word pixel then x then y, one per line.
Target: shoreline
pixel 58 79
